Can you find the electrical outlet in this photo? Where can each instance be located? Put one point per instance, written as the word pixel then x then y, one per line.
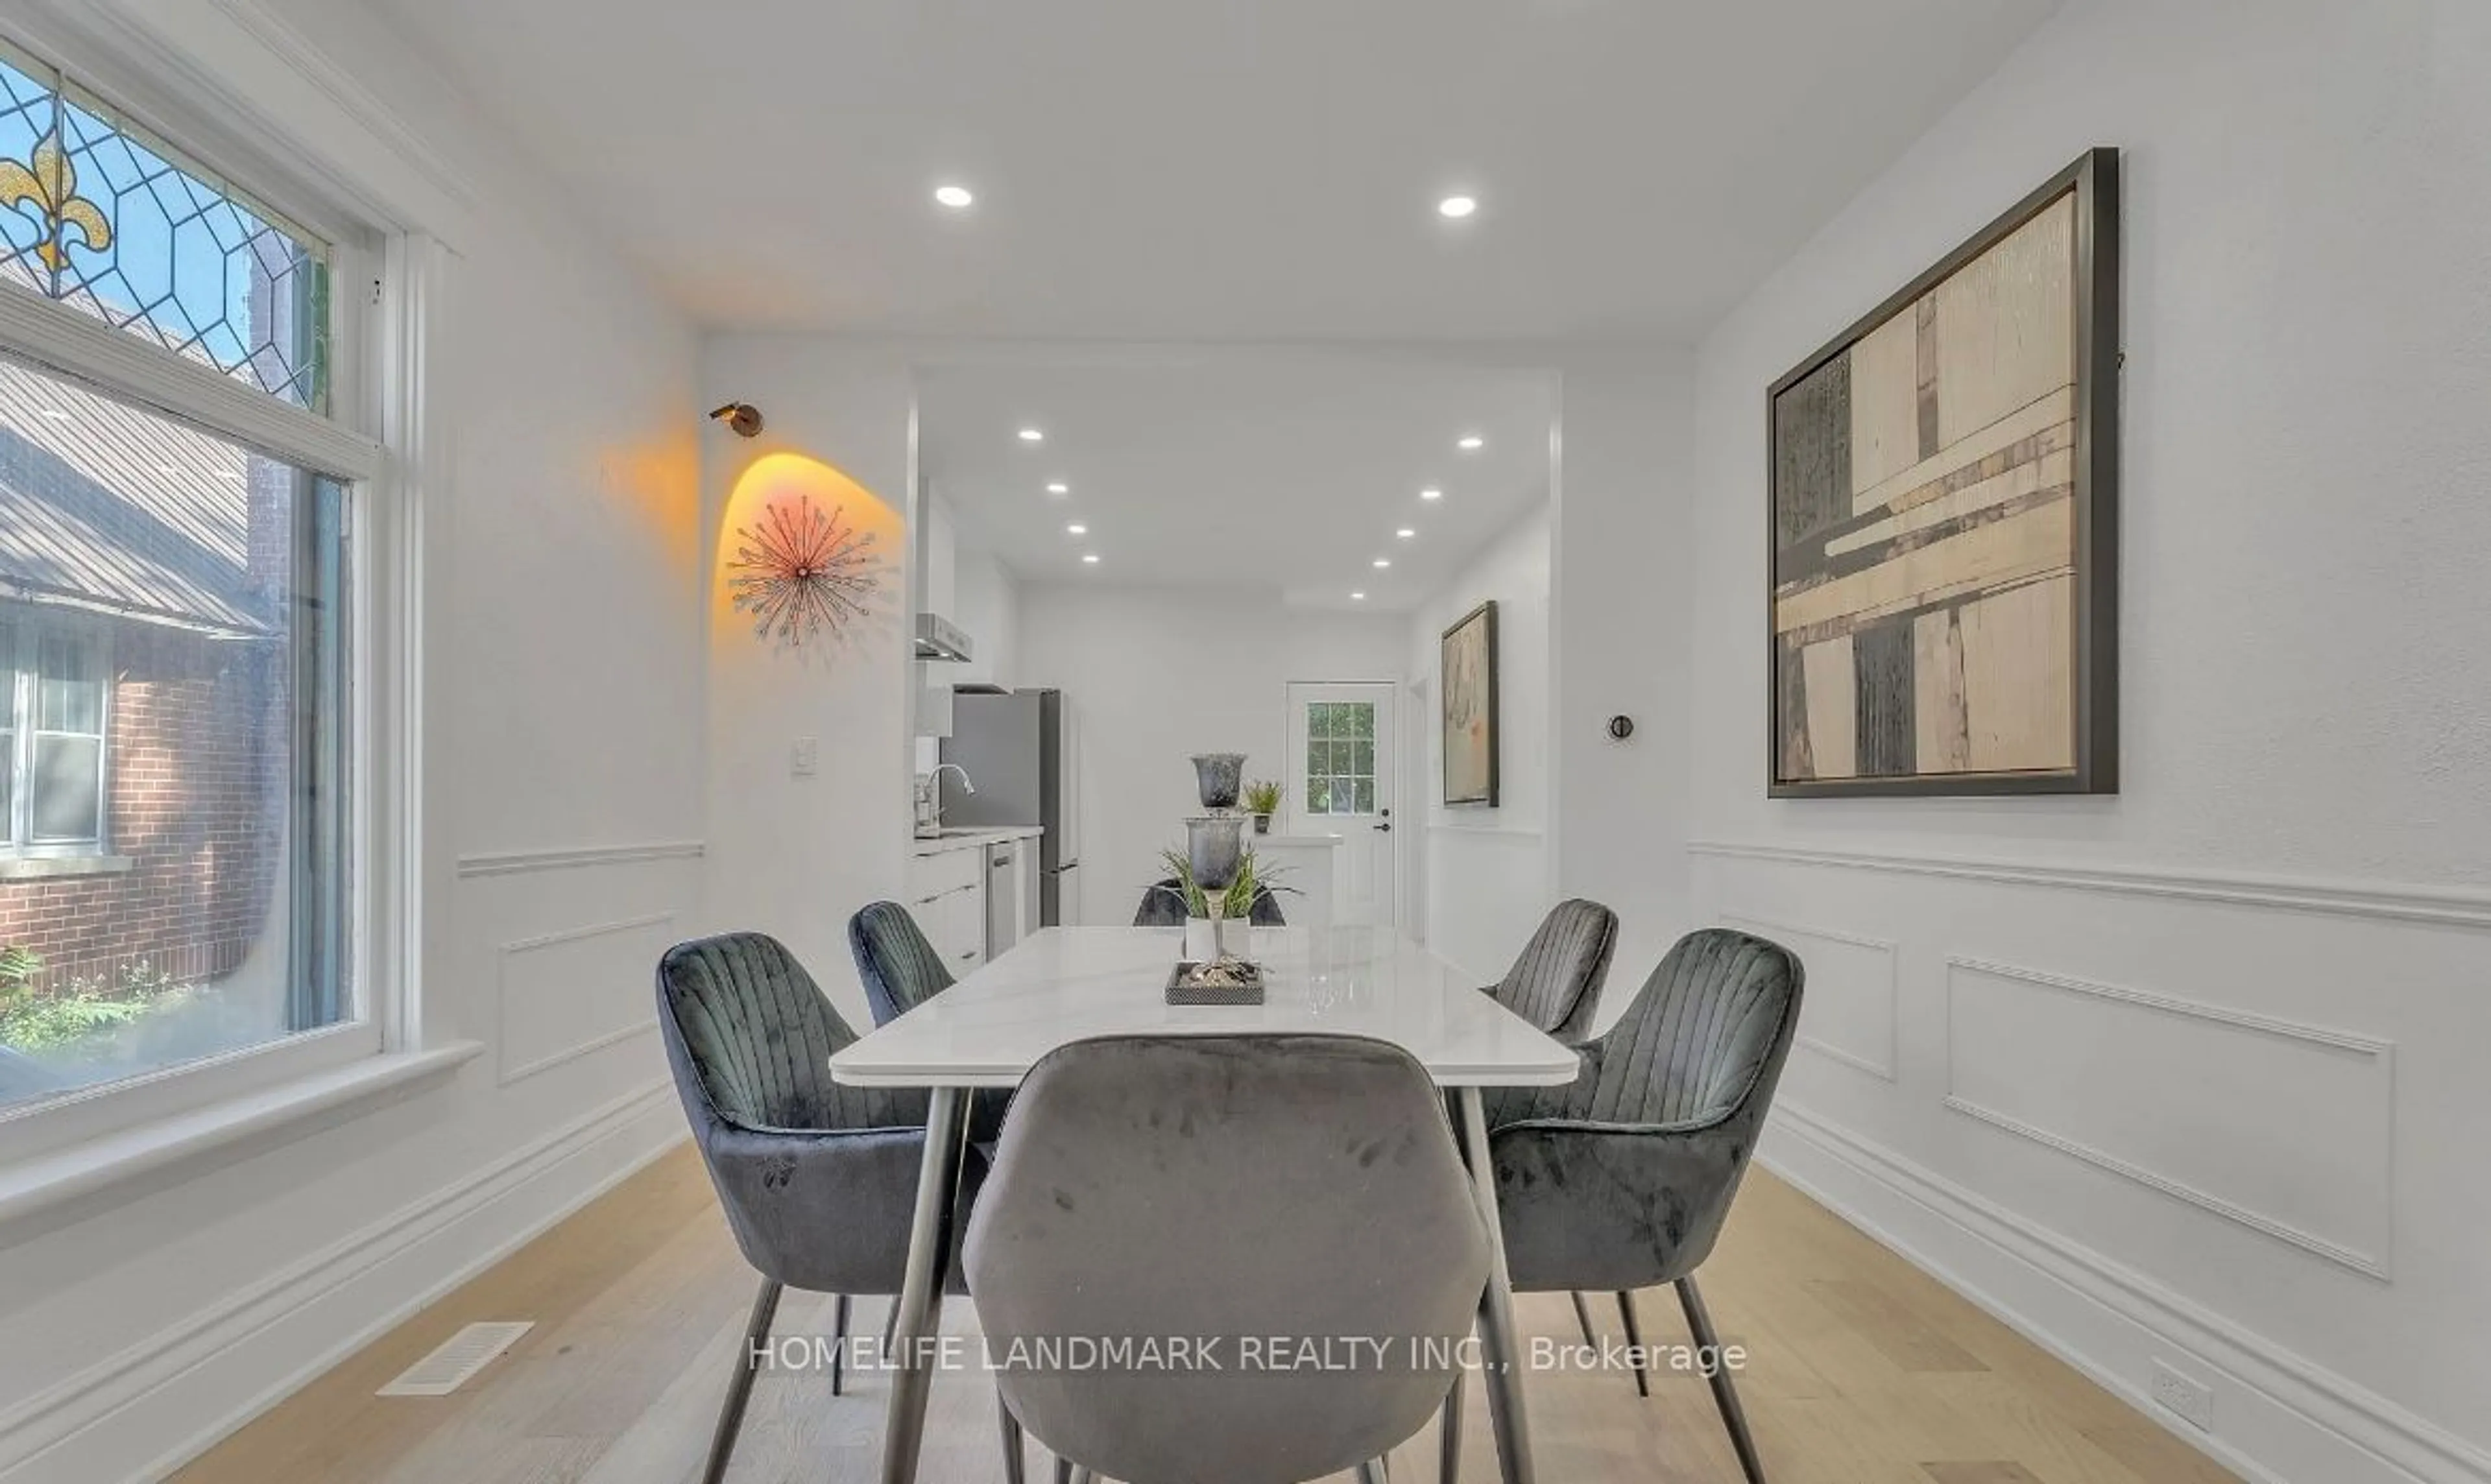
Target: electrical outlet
pixel 806 759
pixel 2194 1401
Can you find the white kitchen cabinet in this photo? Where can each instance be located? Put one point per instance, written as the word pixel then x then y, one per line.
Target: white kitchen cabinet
pixel 947 895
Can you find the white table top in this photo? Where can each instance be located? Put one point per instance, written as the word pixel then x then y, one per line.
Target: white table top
pixel 1064 984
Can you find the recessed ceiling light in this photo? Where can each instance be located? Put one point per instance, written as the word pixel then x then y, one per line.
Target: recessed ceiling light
pixel 1076 529
pixel 1032 435
pixel 1471 443
pixel 956 197
pixel 1383 562
pixel 1404 534
pixel 1090 556
pixel 1059 487
pixel 1358 597
pixel 1431 492
pixel 1455 208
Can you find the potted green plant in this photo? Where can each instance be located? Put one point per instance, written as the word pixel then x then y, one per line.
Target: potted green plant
pixel 1263 801
pixel 1218 922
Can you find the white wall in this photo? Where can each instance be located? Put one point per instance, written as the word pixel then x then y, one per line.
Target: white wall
pixel 987 603
pixel 2191 1073
pixel 563 645
pixel 791 855
pixel 1155 675
pixel 1621 645
pixel 1487 874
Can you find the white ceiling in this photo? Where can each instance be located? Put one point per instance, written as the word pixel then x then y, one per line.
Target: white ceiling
pixel 1251 169
pixel 1292 471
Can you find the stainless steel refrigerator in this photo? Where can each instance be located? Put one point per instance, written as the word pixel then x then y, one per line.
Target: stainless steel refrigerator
pixel 1019 747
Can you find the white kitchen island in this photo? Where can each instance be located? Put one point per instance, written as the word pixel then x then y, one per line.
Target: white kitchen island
pixel 1305 862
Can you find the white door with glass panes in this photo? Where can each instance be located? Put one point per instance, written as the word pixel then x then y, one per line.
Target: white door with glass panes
pixel 1340 764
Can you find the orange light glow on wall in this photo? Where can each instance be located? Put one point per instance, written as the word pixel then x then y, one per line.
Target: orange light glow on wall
pixel 807 558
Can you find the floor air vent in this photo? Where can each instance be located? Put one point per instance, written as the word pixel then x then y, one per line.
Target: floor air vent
pixel 457 1360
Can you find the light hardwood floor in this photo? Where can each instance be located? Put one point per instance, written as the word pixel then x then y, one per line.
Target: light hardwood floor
pixel 1863 1371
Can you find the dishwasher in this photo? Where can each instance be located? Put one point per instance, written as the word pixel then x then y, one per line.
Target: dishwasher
pixel 1003 897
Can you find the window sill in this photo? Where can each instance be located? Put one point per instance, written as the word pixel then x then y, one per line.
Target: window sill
pixel 54 867
pixel 69 1184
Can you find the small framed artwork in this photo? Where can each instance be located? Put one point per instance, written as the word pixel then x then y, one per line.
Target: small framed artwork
pixel 1942 521
pixel 1467 684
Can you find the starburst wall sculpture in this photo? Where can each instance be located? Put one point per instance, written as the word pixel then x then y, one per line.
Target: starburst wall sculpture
pixel 802 575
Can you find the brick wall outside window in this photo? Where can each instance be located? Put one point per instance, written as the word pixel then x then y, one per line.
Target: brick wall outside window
pixel 196 787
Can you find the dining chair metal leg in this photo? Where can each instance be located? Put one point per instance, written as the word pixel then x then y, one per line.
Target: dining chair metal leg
pixel 1634 1341
pixel 1699 1325
pixel 1583 1319
pixel 920 1292
pixel 1502 1354
pixel 1449 1435
pixel 739 1390
pixel 1081 1475
pixel 890 1329
pixel 1373 1472
pixel 1012 1460
pixel 1063 1470
pixel 838 1341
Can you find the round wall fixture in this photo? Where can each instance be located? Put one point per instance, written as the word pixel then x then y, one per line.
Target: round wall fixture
pixel 743 417
pixel 1620 727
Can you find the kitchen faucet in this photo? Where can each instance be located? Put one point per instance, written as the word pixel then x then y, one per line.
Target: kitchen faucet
pixel 929 799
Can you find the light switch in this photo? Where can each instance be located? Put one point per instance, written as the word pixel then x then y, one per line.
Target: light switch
pixel 806 759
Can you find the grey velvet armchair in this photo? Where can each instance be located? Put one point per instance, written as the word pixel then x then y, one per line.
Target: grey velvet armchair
pixel 901 971
pixel 1621 1179
pixel 1555 982
pixel 1227 1186
pixel 1163 906
pixel 899 968
pixel 818 1180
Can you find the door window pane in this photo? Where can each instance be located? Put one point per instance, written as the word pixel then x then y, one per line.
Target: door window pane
pixel 1340 757
pixel 174 673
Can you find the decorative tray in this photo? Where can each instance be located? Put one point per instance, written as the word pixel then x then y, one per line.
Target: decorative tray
pixel 1180 990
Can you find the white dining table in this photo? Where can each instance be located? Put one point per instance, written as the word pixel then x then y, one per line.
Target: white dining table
pixel 1066 984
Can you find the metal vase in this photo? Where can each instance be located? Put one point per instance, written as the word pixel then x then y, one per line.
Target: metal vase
pixel 1218 777
pixel 1215 844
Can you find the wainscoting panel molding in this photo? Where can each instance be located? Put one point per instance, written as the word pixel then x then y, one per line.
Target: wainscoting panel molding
pixel 144 1411
pixel 548 1020
pixel 2392 901
pixel 516 863
pixel 2287 1129
pixel 1853 1005
pixel 2282 1415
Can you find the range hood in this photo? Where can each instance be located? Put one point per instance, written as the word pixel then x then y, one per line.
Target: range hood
pixel 939 638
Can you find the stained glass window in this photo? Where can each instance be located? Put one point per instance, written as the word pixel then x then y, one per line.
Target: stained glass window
pixel 99 215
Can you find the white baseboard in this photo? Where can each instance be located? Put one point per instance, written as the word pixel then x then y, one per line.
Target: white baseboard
pixel 2278 1417
pixel 140 1414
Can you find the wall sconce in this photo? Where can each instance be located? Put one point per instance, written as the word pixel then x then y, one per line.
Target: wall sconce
pixel 743 417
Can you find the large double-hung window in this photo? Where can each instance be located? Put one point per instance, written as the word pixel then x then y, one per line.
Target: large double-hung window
pixel 178 511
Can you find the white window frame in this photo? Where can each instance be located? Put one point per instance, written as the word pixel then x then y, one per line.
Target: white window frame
pixel 382 281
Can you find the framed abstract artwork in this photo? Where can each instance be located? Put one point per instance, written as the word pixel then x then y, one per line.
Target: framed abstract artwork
pixel 1943 521
pixel 1467 686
